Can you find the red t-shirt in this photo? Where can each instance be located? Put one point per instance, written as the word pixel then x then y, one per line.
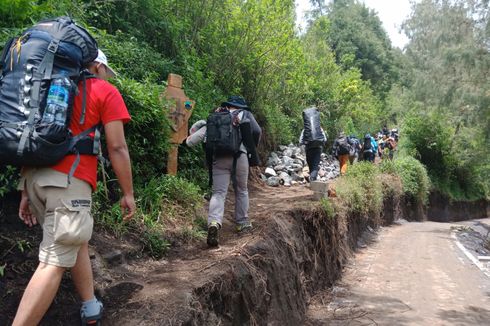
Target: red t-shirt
pixel 104 104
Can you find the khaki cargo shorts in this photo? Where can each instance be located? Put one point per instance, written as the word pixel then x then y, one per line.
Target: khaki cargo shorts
pixel 63 211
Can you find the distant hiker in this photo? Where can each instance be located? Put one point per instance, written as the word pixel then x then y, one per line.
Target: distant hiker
pixel 231 135
pixel 341 149
pixel 63 207
pixel 355 148
pixel 314 138
pixel 394 134
pixel 390 145
pixel 369 148
pixel 385 130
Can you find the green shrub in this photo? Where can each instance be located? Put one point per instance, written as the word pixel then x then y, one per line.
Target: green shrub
pixel 415 181
pixel 361 189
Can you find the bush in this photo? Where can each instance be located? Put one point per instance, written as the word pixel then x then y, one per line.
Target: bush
pixel 415 181
pixel 361 189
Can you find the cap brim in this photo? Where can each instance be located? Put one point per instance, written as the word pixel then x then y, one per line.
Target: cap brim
pixel 111 72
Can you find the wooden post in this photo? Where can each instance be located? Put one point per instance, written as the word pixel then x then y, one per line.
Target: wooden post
pixel 179 114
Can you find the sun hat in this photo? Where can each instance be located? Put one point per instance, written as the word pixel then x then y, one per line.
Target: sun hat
pixel 237 102
pixel 101 57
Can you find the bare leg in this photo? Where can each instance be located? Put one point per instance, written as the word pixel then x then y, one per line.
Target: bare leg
pixel 82 275
pixel 38 295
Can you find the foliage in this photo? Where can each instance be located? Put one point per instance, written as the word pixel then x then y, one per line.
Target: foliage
pixel 358 39
pixel 415 181
pixel 8 179
pixel 447 76
pixel 361 189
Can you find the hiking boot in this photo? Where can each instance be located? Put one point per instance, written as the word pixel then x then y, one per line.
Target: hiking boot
pixel 244 228
pixel 213 234
pixel 91 312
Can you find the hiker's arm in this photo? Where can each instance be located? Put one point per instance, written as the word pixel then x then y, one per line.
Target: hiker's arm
pixel 121 163
pixel 256 130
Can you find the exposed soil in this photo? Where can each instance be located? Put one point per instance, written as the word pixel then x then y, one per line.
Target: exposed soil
pixel 441 209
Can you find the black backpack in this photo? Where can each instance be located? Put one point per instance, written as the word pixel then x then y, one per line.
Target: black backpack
pixel 222 139
pixel 223 136
pixel 367 144
pixel 39 73
pixel 312 135
pixel 344 146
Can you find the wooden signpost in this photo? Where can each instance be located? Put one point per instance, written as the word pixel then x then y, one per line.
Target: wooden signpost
pixel 179 114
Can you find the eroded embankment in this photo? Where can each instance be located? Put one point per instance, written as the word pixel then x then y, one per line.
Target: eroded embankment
pixel 271 282
pixel 442 209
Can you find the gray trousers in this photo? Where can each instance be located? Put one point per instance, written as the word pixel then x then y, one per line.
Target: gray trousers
pixel 221 180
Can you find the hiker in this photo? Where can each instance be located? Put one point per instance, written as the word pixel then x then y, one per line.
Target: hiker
pixel 369 148
pixel 341 149
pixel 385 131
pixel 355 148
pixel 390 144
pixel 313 138
pixel 231 135
pixel 62 207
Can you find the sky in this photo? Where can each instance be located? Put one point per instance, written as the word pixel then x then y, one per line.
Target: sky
pixel 391 12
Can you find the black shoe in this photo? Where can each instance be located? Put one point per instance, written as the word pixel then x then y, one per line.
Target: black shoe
pixel 213 230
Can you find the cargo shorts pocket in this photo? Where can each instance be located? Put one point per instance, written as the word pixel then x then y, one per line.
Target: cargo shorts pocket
pixel 73 223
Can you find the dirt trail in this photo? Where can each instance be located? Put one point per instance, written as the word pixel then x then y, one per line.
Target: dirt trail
pixel 157 292
pixel 413 274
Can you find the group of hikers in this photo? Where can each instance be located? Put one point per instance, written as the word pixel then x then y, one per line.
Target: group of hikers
pixel 66 102
pixel 347 149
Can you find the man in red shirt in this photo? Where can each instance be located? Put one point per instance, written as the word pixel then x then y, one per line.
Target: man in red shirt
pixel 62 207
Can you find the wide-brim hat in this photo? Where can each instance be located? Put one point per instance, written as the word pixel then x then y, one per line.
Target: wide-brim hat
pixel 237 102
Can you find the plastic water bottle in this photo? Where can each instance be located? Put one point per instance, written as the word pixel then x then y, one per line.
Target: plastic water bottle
pixel 57 101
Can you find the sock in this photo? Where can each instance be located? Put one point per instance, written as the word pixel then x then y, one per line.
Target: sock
pixel 91 307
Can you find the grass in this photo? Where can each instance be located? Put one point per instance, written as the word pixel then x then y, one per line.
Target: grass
pixel 168 208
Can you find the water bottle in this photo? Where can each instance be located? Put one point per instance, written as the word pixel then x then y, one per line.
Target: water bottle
pixel 57 101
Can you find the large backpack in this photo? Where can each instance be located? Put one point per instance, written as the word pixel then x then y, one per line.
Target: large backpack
pixel 223 139
pixel 223 134
pixel 312 135
pixel 47 58
pixel 344 146
pixel 368 146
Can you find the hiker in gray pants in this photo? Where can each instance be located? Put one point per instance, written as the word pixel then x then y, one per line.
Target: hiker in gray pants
pixel 222 168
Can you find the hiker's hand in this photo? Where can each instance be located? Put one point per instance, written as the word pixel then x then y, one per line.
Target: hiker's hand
pixel 128 207
pixel 25 213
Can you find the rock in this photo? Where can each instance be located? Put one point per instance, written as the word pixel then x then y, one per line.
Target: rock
pixel 273 181
pixel 273 160
pixel 299 161
pixel 263 177
pixel 285 179
pixel 297 167
pixel 269 172
pixel 321 172
pixel 288 152
pixel 283 148
pixel 278 168
pixel 287 161
pixel 297 177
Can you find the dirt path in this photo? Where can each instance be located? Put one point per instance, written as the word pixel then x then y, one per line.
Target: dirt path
pixel 413 274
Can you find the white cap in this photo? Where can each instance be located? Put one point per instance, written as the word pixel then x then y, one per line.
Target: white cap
pixel 101 57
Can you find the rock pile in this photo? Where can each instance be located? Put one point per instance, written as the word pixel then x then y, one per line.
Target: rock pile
pixel 288 167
